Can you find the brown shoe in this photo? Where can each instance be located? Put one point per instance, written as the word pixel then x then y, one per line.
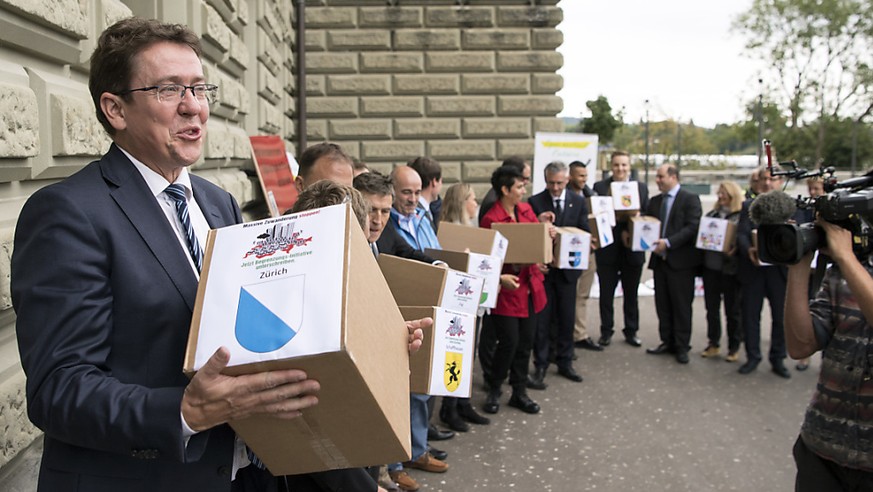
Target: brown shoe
pixel 428 463
pixel 403 480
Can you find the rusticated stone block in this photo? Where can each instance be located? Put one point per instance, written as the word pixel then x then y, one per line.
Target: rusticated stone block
pixel 268 85
pixel 358 84
pixel 75 129
pixel 529 61
pixel 359 39
pixel 460 106
pixel 522 147
pixel 316 130
pixel 6 240
pixel 242 13
pixel 331 62
pixel 219 142
pixel 232 181
pixel 547 83
pixel 496 127
pixel 515 83
pixel 323 107
pixel 529 16
pixel 269 117
pixel 316 85
pixel 18 432
pixel 465 17
pixel 270 21
pixel 242 148
pixel 19 123
pixel 427 39
pixel 496 39
pixel 315 40
pixel 392 106
pixel 360 129
pixel 390 17
pixel 423 129
pixel 239 53
pixel 549 125
pixel 461 149
pixel 391 151
pixel 268 53
pixel 451 171
pixel 529 105
pixel 469 61
pixel 215 30
pixel 391 62
pixel 381 167
pixel 426 84
pixel 479 171
pixel 68 16
pixel 547 39
pixel 330 17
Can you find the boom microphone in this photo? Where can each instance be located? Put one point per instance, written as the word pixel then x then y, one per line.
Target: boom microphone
pixel 773 207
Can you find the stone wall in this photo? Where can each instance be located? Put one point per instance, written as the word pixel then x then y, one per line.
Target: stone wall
pixel 466 82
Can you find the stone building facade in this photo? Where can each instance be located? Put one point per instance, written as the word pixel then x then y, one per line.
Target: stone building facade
pixel 467 82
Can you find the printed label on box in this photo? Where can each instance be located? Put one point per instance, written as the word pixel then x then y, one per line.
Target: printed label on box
pixel 644 234
pixel 463 291
pixel 712 234
pixel 454 334
pixel 604 230
pixel 603 205
pixel 488 267
pixel 573 251
pixel 625 195
pixel 500 246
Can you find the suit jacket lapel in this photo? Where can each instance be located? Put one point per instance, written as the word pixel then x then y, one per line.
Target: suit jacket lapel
pixel 142 210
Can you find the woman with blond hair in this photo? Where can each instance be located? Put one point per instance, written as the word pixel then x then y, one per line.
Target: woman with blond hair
pixel 460 205
pixel 720 278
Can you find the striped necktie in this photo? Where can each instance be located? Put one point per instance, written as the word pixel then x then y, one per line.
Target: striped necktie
pixel 177 193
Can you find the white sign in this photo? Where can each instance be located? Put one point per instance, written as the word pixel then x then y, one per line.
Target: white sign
pixel 603 229
pixel 573 250
pixel 488 267
pixel 712 234
pixel 564 147
pixel 454 335
pixel 462 291
pixel 603 205
pixel 625 195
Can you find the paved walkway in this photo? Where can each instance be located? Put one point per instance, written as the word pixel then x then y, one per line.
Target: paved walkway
pixel 639 422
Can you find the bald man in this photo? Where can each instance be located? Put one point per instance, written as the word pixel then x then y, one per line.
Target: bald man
pixel 407 218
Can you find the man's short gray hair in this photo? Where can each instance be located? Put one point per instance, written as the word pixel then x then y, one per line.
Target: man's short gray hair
pixel 555 167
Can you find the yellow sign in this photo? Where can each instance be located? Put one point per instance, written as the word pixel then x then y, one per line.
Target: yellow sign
pixel 452 374
pixel 567 145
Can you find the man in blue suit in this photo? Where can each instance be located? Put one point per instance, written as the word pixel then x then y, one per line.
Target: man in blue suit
pixel 562 208
pixel 104 278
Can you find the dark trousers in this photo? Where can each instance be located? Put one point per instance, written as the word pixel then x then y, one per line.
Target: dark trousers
pixel 816 474
pixel 512 355
pixel 674 293
pixel 253 479
pixel 766 282
pixel 560 310
pixel 718 286
pixel 487 346
pixel 629 275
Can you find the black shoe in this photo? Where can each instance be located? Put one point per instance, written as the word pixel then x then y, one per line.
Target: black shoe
pixel 633 341
pixel 589 344
pixel 605 340
pixel 682 357
pixel 437 453
pixel 535 380
pixel 492 401
pixel 570 373
pixel 434 434
pixel 522 402
pixel 451 418
pixel 749 366
pixel 780 370
pixel 468 413
pixel 661 349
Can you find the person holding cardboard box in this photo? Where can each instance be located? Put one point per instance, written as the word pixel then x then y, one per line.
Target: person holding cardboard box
pixel 720 278
pixel 675 261
pixel 521 297
pixel 617 262
pixel 562 208
pixel 578 183
pixel 102 327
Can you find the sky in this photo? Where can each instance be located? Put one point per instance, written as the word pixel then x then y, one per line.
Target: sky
pixel 678 54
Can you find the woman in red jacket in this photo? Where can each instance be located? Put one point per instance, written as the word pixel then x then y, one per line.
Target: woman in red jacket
pixel 522 295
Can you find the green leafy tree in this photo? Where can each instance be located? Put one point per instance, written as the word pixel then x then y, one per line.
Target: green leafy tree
pixel 818 54
pixel 601 122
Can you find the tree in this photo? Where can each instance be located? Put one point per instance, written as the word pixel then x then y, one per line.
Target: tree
pixel 601 122
pixel 818 53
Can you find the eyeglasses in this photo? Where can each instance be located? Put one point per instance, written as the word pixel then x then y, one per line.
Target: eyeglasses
pixel 173 93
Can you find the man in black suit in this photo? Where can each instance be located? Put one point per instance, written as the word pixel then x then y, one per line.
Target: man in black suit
pixel 578 184
pixel 675 261
pixel 759 281
pixel 617 262
pixel 562 208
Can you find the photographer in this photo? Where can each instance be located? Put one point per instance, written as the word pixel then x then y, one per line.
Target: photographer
pixel 835 447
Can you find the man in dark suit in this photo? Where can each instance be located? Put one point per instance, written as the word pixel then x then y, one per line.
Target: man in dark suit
pixel 578 184
pixel 617 262
pixel 562 208
pixel 675 261
pixel 759 281
pixel 104 278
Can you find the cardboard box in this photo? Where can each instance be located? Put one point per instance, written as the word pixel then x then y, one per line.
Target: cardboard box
pixel 457 237
pixel 413 282
pixel 716 234
pixel 303 291
pixel 485 266
pixel 572 248
pixel 644 231
pixel 528 243
pixel 602 205
pixel 755 245
pixel 444 364
pixel 601 229
pixel 625 199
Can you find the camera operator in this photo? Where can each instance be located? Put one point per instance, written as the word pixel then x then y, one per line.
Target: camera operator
pixel 835 447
